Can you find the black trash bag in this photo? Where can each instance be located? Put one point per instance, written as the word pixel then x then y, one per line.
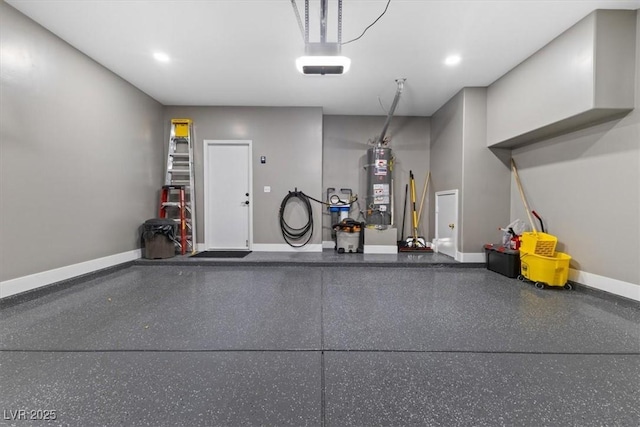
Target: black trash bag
pixel 153 227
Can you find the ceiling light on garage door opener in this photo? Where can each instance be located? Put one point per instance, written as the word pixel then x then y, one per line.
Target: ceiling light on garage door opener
pixel 321 58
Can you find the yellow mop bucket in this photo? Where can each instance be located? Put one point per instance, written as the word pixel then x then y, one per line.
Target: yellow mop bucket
pixel 549 270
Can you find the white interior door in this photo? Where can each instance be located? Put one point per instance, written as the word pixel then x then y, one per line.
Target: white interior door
pixel 228 195
pixel 447 222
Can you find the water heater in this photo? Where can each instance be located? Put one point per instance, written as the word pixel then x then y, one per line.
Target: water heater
pixel 379 168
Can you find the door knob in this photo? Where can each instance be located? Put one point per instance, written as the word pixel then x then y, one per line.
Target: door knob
pixel 451 226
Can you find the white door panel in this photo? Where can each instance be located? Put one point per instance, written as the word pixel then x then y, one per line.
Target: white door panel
pixel 447 222
pixel 227 194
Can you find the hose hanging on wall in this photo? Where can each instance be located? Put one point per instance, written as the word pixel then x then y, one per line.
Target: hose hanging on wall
pixel 294 235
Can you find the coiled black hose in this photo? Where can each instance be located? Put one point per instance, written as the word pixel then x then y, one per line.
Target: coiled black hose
pixel 293 235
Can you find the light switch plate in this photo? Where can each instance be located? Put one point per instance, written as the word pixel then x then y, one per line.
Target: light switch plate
pixel 267 189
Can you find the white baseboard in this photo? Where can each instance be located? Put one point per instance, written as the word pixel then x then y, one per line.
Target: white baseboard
pixel 380 249
pixel 283 247
pixel 470 257
pixel 201 247
pixel 37 280
pixel 328 244
pixel 607 284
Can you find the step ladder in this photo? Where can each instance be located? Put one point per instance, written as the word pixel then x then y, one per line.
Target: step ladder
pixel 177 199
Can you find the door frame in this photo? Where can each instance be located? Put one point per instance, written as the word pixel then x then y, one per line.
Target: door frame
pixel 456 221
pixel 205 150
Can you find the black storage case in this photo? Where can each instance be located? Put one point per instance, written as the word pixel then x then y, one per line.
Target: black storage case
pixel 502 260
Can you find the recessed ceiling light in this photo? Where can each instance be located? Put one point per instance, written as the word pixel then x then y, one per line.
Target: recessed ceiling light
pixel 452 60
pixel 162 57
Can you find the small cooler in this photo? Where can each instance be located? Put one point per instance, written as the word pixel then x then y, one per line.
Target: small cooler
pixel 502 260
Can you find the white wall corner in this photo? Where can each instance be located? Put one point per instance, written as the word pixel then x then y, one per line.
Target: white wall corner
pixel 607 284
pixel 283 247
pixel 38 280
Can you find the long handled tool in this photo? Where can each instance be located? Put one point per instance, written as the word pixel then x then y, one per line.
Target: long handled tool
pixel 416 241
pixel 404 212
pixel 392 205
pixel 424 193
pixel 524 199
pixel 539 219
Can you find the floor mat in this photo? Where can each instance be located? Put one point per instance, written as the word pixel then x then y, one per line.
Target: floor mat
pixel 221 254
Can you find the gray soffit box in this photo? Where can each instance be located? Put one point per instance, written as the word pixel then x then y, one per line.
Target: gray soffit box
pixel 583 77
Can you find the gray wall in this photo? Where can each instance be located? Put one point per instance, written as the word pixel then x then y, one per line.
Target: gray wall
pixel 446 151
pixel 344 154
pixel 485 178
pixel 461 160
pixel 568 83
pixel 290 138
pixel 550 85
pixel 586 185
pixel 80 154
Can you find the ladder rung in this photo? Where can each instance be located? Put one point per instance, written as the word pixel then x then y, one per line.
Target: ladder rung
pixel 177 171
pixel 187 205
pixel 181 163
pixel 171 205
pixel 181 182
pixel 179 154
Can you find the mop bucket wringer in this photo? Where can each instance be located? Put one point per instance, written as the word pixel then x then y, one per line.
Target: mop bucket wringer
pixel 538 243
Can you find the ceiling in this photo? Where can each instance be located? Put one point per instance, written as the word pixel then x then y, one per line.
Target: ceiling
pixel 242 52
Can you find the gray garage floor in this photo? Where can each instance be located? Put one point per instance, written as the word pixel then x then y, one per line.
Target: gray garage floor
pixel 316 345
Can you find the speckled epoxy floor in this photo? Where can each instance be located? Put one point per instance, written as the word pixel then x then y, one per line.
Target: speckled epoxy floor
pixel 314 345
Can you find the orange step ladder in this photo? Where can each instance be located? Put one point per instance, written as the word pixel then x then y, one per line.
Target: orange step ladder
pixel 173 206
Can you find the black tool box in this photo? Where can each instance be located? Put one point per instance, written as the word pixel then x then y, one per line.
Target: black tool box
pixel 503 260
